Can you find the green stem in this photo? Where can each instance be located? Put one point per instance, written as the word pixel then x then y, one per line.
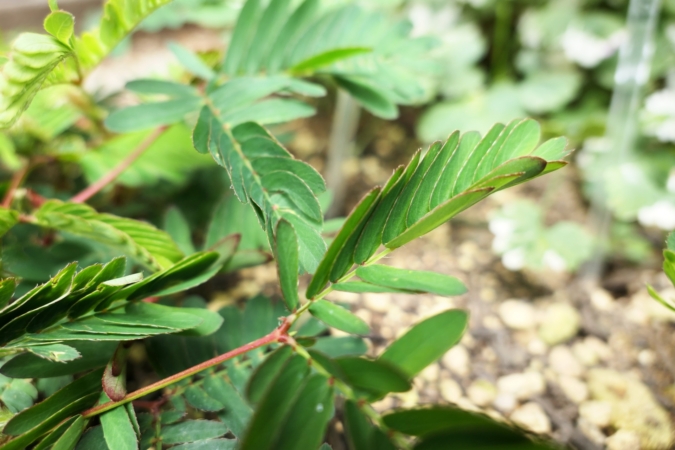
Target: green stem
pixel 501 39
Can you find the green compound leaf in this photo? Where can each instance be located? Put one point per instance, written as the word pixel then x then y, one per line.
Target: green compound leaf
pixel 38 60
pixel 274 192
pixel 339 256
pixel 451 177
pixel 150 246
pixel 33 422
pixel 28 365
pixel 338 317
pixel 411 280
pixel 426 342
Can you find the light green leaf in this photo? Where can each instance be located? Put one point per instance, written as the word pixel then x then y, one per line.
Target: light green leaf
pixel 191 62
pixel 54 352
pixel 117 428
pixel 287 263
pixel 338 317
pixel 426 342
pixel 411 280
pixel 371 97
pixel 178 228
pixel 61 25
pixel 192 430
pixel 322 60
pixel 341 346
pixel 362 286
pixel 69 438
pixel 150 115
pixel 162 87
pixel 8 218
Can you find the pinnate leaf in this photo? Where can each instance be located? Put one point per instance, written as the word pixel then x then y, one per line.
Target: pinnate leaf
pixel 411 280
pixel 426 341
pixel 338 317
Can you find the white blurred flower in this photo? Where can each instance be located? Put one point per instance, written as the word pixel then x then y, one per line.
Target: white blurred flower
pixel 661 214
pixel 514 259
pixel 589 50
pixel 659 115
pixel 554 261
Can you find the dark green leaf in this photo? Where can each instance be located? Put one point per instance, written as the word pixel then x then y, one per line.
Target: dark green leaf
pixel 357 427
pixel 338 317
pixel 305 427
pixel 411 280
pixel 374 376
pixel 276 404
pixel 266 372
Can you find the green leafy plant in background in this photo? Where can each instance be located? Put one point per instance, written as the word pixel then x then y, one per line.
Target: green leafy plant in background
pixel 266 376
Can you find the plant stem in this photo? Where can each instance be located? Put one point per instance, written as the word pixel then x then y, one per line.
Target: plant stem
pixel 14 184
pixel 272 337
pixel 119 169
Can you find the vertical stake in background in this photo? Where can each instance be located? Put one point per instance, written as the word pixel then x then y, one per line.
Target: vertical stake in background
pixel 632 73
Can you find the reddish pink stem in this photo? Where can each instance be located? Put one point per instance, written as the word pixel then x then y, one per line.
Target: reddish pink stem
pixel 14 184
pixel 111 176
pixel 277 335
